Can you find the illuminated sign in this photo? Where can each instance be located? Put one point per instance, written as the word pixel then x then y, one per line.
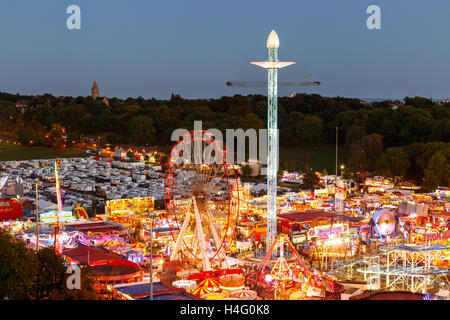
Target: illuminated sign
pixel 431 234
pixel 290 177
pixel 326 232
pixel 298 239
pixel 183 202
pixel 52 216
pixel 439 236
pixel 424 231
pixel 124 206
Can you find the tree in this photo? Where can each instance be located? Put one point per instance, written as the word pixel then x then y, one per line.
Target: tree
pixel 18 268
pixel 26 275
pixel 55 137
pixel 310 129
pixel 355 150
pixel 441 130
pixel 395 162
pixel 280 171
pixel 251 121
pixel 131 155
pixel 372 146
pixel 51 273
pixel 140 130
pixel 246 170
pixel 86 291
pixel 26 136
pixel 72 139
pixel 419 102
pixel 438 171
pixel 310 179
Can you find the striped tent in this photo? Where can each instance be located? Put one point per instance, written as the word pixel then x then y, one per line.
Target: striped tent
pixel 201 291
pixel 211 284
pixel 117 219
pixel 139 245
pixel 244 294
pixel 110 243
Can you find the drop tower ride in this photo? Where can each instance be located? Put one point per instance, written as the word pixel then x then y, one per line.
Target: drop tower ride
pixel 272 66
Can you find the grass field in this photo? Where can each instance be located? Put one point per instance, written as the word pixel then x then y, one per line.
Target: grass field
pixel 9 151
pixel 318 158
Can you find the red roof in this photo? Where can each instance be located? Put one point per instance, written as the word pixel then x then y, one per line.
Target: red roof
pixel 93 227
pixel 10 209
pixel 399 295
pixel 80 254
pixel 118 269
pixel 299 216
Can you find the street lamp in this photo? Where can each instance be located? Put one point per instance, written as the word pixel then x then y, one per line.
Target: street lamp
pixel 342 170
pixel 37 215
pixel 151 216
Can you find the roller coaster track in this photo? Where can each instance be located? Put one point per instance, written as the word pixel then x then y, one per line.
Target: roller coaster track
pixel 398 263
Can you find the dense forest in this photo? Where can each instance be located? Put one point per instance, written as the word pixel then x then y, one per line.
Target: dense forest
pixel 409 138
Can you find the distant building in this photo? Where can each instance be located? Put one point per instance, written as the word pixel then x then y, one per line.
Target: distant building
pixel 119 153
pixel 95 94
pixel 290 177
pixel 22 105
pixel 95 91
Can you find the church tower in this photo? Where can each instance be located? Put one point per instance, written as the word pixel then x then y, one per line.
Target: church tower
pixel 95 92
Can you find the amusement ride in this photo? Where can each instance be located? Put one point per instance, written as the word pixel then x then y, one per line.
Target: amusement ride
pixel 199 201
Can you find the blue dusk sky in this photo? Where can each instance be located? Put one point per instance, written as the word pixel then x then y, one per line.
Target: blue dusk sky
pixel 192 47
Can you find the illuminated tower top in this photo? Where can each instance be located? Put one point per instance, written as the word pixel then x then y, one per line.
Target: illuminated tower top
pixel 272 40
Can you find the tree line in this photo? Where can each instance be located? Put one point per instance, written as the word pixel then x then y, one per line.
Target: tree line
pixel 367 130
pixel 27 275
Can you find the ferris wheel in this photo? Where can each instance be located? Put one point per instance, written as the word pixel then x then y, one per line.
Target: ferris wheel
pixel 199 200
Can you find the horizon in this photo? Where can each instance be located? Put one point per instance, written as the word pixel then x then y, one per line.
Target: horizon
pixel 367 99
